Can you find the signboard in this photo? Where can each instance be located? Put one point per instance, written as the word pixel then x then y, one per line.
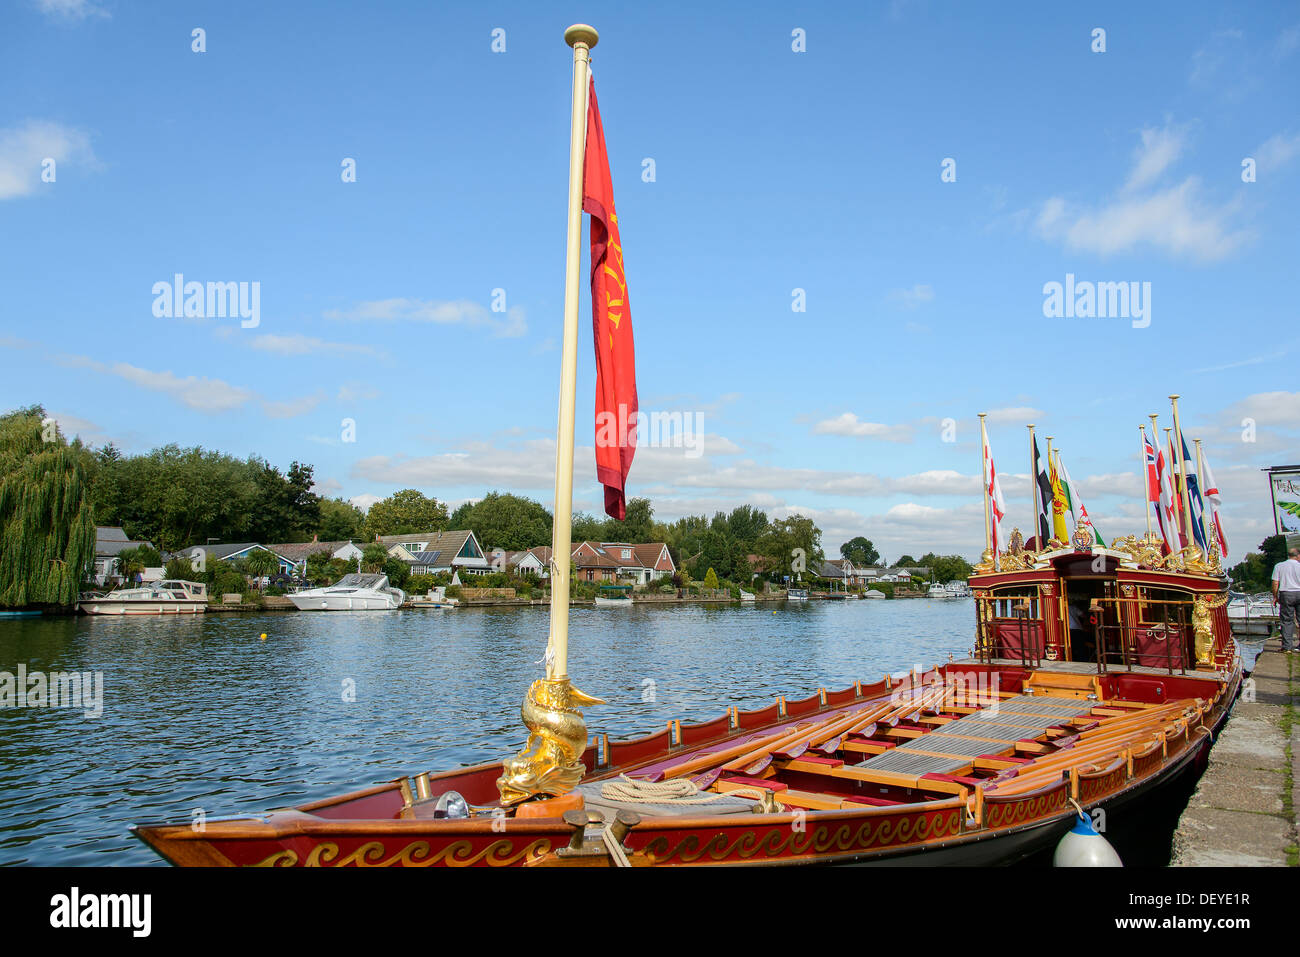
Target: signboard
pixel 1284 485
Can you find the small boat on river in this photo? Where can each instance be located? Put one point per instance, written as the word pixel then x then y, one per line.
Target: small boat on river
pixel 614 596
pixel 171 597
pixel 357 591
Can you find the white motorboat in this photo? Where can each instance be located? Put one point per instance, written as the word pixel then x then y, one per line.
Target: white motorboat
pixel 873 594
pixel 171 597
pixel 435 598
pixel 797 594
pixel 957 589
pixel 353 592
pixel 746 595
pixel 938 591
pixel 1252 615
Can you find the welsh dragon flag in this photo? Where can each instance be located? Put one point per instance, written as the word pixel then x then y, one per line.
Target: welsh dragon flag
pixel 1078 513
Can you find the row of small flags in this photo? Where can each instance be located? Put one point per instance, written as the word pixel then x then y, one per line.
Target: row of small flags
pixel 1058 497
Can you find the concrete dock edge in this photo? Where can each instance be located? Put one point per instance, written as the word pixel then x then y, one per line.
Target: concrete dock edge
pixel 1243 812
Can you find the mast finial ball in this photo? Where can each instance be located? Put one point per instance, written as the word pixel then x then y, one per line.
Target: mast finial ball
pixel 581 33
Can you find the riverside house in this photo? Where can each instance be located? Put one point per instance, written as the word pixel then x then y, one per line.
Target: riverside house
pixel 431 553
pixel 231 552
pixel 297 553
pixel 110 541
pixel 535 562
pixel 615 561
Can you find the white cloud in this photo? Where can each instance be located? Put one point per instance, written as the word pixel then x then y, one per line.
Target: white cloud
pixel 356 392
pixel 296 345
pixel 69 10
pixel 24 148
pixel 197 392
pixel 71 425
pixel 293 407
pixel 911 298
pixel 364 502
pixel 508 325
pixel 1177 219
pixel 848 424
pixel 1275 152
pixel 1157 152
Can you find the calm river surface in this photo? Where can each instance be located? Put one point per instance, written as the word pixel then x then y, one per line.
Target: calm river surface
pixel 199 712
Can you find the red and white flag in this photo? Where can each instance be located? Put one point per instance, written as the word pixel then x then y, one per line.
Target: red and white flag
pixel 997 506
pixel 1212 496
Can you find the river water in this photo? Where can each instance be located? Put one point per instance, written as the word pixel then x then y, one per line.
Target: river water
pixel 202 713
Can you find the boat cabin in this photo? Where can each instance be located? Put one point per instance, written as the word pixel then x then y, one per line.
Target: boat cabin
pixel 1120 608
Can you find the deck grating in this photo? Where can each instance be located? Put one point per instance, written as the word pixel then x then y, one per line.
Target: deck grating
pixel 904 762
pixel 1034 704
pixel 984 729
pixel 951 744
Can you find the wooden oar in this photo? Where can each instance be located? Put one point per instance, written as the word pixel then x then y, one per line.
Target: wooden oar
pixel 753 747
pixel 759 754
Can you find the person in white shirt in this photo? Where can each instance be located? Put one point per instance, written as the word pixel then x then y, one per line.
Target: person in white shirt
pixel 1286 594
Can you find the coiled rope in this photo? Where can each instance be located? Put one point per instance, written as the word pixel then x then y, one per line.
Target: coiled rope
pixel 674 791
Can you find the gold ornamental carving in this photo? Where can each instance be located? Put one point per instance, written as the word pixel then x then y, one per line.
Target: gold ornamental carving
pixel 986 563
pixel 1145 552
pixel 1203 631
pixel 550 762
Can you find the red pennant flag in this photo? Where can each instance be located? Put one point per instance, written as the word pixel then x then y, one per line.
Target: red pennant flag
pixel 611 321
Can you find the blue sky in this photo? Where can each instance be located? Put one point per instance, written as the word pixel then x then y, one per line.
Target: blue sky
pixel 775 170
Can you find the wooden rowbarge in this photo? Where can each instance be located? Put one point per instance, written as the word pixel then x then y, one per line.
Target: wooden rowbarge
pixel 1098 677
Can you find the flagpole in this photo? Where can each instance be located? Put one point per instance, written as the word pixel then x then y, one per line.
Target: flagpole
pixel 1176 504
pixel 1033 486
pixel 1200 494
pixel 1146 490
pixel 1155 444
pixel 582 38
pixel 1182 473
pixel 550 709
pixel 1050 509
pixel 984 481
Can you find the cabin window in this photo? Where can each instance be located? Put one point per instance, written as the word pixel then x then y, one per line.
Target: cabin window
pixel 1007 603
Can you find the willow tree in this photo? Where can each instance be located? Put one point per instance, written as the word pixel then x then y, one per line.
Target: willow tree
pixel 45 515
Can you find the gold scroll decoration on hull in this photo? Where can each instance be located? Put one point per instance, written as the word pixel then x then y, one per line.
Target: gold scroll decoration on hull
pixel 551 761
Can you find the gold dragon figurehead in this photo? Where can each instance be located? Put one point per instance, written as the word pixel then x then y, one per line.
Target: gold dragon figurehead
pixel 550 762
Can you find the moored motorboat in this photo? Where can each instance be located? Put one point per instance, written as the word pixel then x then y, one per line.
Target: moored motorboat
pixel 170 597
pixel 614 596
pixel 357 591
pixel 1253 616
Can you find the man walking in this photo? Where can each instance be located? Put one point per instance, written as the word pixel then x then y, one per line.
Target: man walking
pixel 1286 594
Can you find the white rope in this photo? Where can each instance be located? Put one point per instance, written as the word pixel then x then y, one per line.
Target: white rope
pixel 616 852
pixel 675 791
